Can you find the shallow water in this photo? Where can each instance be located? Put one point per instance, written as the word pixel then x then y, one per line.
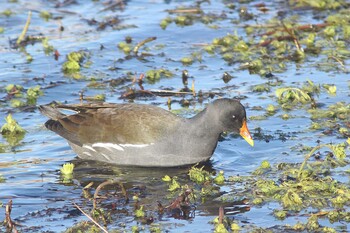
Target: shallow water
pixel 43 203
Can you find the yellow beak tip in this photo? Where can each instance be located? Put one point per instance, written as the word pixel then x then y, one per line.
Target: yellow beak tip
pixel 250 141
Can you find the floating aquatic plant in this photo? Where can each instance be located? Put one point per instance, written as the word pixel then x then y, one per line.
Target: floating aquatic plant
pixel 199 175
pixel 67 169
pixel 32 94
pixel 73 62
pixel 292 94
pixel 12 131
pixel 67 173
pixel 45 15
pixel 14 89
pixel 280 214
pixel 2 180
pixel 140 213
pixel 155 75
pixel 48 49
pixel 11 127
pixel 264 167
pixel 292 201
pixel 173 183
pixel 220 178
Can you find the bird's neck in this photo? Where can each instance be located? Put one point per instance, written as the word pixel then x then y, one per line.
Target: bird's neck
pixel 207 122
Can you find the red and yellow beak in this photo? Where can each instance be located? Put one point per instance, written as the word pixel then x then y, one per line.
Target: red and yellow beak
pixel 244 132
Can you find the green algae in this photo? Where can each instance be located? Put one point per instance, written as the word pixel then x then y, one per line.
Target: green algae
pixel 140 213
pixel 19 98
pixel 220 178
pixel 155 75
pixel 199 175
pixel 11 127
pixel 304 185
pixel 33 94
pixel 12 131
pixel 73 62
pixel 45 15
pixel 318 4
pixel 66 172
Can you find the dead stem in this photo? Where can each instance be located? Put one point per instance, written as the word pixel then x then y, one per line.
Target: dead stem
pixel 109 182
pixel 117 3
pixel 305 27
pixel 139 81
pixel 221 215
pixel 279 38
pixel 137 47
pixel 188 11
pixel 88 185
pixel 193 89
pixel 89 217
pixel 292 34
pixel 8 221
pixel 25 29
pixel 81 97
pixel 308 156
pixel 339 61
pixel 171 92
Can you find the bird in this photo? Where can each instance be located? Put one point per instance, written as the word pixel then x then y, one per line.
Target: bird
pixel 145 135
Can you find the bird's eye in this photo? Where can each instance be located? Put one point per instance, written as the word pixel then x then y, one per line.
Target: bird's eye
pixel 233 116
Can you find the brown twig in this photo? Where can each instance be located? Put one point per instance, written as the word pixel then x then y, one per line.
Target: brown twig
pixel 279 38
pixel 8 221
pixel 304 27
pixel 108 182
pixel 221 215
pixel 81 96
pixel 188 11
pixel 119 3
pixel 171 92
pixel 292 34
pixel 339 61
pixel 89 217
pixel 137 47
pixel 139 80
pixel 131 93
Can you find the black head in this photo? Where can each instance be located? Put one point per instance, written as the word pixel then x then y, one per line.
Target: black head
pixel 232 117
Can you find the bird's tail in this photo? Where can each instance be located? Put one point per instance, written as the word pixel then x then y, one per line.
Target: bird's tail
pixel 51 111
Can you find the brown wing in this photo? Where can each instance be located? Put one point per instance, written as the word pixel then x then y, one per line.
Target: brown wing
pixel 115 123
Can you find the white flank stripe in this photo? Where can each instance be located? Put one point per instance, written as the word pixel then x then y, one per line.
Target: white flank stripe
pixel 87 153
pixel 135 145
pixel 89 147
pixel 106 157
pixel 108 146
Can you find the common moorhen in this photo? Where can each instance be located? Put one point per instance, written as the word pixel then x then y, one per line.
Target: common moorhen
pixel 145 135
